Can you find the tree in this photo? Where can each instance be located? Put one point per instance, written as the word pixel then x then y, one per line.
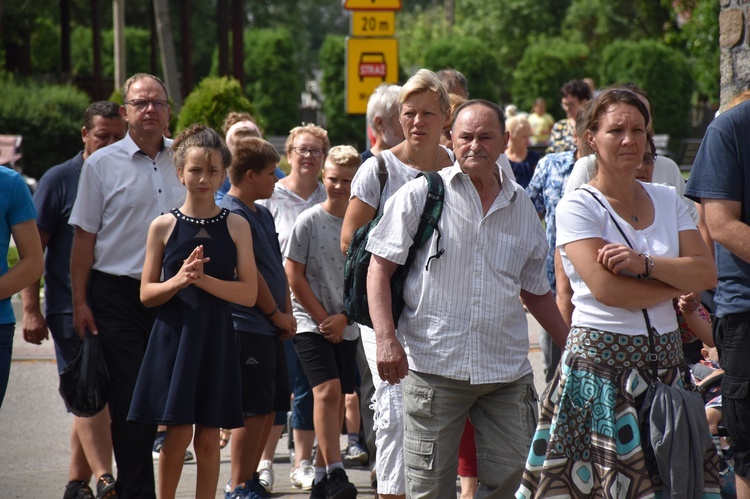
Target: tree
pixel 546 65
pixel 700 34
pixel 211 101
pixel 274 83
pixel 342 128
pixel 47 116
pixel 471 57
pixel 663 72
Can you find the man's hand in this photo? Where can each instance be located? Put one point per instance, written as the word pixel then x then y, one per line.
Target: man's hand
pixel 34 327
pixel 332 328
pixel 392 363
pixel 83 319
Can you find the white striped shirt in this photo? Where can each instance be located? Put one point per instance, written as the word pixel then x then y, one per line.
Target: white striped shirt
pixel 463 318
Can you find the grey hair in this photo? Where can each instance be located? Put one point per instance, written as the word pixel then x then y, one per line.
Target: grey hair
pixel 383 103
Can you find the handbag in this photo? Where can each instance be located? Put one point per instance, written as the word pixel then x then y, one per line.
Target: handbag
pixel 84 382
pixel 674 428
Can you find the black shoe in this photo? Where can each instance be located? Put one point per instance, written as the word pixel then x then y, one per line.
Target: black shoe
pixel 339 486
pixel 78 489
pixel 105 487
pixel 318 490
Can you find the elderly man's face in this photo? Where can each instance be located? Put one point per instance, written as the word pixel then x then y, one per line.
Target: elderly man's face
pixel 478 139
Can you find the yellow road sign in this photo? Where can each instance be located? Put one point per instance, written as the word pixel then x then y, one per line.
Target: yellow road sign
pixel 372 4
pixel 373 23
pixel 369 62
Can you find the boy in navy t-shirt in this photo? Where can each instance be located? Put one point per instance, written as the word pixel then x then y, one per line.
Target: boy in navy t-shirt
pixel 260 329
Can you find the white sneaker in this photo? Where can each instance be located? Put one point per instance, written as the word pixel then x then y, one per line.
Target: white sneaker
pixel 265 475
pixel 303 477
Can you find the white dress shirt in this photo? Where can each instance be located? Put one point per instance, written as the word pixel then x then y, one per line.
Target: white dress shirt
pixel 463 318
pixel 120 193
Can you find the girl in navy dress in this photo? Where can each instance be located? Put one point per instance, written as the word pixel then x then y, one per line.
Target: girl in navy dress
pixel 190 373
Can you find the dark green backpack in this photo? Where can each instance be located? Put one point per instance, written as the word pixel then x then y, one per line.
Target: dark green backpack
pixel 358 258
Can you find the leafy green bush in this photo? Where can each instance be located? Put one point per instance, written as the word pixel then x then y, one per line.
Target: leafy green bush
pixel 663 72
pixel 12 256
pixel 472 57
pixel 211 101
pixel 49 117
pixel 546 65
pixel 274 83
pixel 342 128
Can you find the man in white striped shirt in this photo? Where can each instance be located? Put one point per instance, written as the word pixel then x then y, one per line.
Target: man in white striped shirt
pixel 463 336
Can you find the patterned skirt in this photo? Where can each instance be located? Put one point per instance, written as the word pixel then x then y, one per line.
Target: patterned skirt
pixel 588 440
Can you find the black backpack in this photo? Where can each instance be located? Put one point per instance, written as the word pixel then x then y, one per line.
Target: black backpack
pixel 358 258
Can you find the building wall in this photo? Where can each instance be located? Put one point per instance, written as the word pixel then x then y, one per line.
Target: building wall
pixel 734 21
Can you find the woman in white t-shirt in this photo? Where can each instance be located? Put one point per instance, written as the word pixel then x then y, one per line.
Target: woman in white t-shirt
pixel 424 109
pixel 588 440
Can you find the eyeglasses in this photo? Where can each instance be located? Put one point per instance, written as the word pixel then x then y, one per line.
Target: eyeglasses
pixel 649 159
pixel 141 105
pixel 304 151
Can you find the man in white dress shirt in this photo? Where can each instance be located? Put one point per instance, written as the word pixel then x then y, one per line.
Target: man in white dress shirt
pixel 462 342
pixel 123 187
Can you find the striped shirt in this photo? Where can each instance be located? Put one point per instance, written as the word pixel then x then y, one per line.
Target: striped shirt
pixel 463 318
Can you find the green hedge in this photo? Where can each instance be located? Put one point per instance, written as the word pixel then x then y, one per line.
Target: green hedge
pixel 211 101
pixel 661 71
pixel 473 58
pixel 274 82
pixel 546 65
pixel 49 117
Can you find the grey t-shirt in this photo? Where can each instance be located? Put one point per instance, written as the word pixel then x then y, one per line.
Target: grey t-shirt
pixel 315 242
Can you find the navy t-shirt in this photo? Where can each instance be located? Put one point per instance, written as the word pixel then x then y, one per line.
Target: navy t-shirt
pixel 524 170
pixel 54 198
pixel 269 262
pixel 721 171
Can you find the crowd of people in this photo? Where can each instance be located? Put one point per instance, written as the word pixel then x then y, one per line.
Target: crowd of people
pixel 215 283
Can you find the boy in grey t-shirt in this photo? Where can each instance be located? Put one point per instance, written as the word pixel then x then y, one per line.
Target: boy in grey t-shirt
pixel 326 341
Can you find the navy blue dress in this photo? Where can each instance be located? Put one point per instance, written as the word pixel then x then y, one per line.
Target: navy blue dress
pixel 190 372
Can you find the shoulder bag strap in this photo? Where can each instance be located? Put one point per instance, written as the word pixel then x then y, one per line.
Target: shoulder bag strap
pixel 651 333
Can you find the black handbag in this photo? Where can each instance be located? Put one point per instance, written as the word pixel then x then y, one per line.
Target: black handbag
pixel 84 383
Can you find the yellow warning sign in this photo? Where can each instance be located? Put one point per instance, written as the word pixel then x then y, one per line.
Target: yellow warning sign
pixel 372 4
pixel 369 62
pixel 373 23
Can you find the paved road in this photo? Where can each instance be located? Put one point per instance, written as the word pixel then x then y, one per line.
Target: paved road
pixel 34 432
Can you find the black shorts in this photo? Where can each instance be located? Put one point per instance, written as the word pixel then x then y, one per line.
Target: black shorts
pixel 732 336
pixel 265 385
pixel 324 361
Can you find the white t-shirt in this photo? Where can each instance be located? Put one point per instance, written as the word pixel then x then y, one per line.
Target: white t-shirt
pixel 580 216
pixel 366 184
pixel 315 242
pixel 666 172
pixel 285 206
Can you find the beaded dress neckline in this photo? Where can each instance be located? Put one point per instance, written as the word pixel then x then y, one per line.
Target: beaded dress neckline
pixel 224 213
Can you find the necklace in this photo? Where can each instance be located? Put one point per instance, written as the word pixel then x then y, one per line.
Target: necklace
pixel 632 213
pixel 207 214
pixel 437 156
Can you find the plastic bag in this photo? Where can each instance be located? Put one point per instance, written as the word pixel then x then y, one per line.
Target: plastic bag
pixel 84 383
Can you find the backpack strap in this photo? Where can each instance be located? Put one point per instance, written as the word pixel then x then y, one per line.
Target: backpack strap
pixel 428 222
pixel 382 174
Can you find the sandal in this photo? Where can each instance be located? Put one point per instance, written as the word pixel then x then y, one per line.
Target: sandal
pixel 224 436
pixel 105 487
